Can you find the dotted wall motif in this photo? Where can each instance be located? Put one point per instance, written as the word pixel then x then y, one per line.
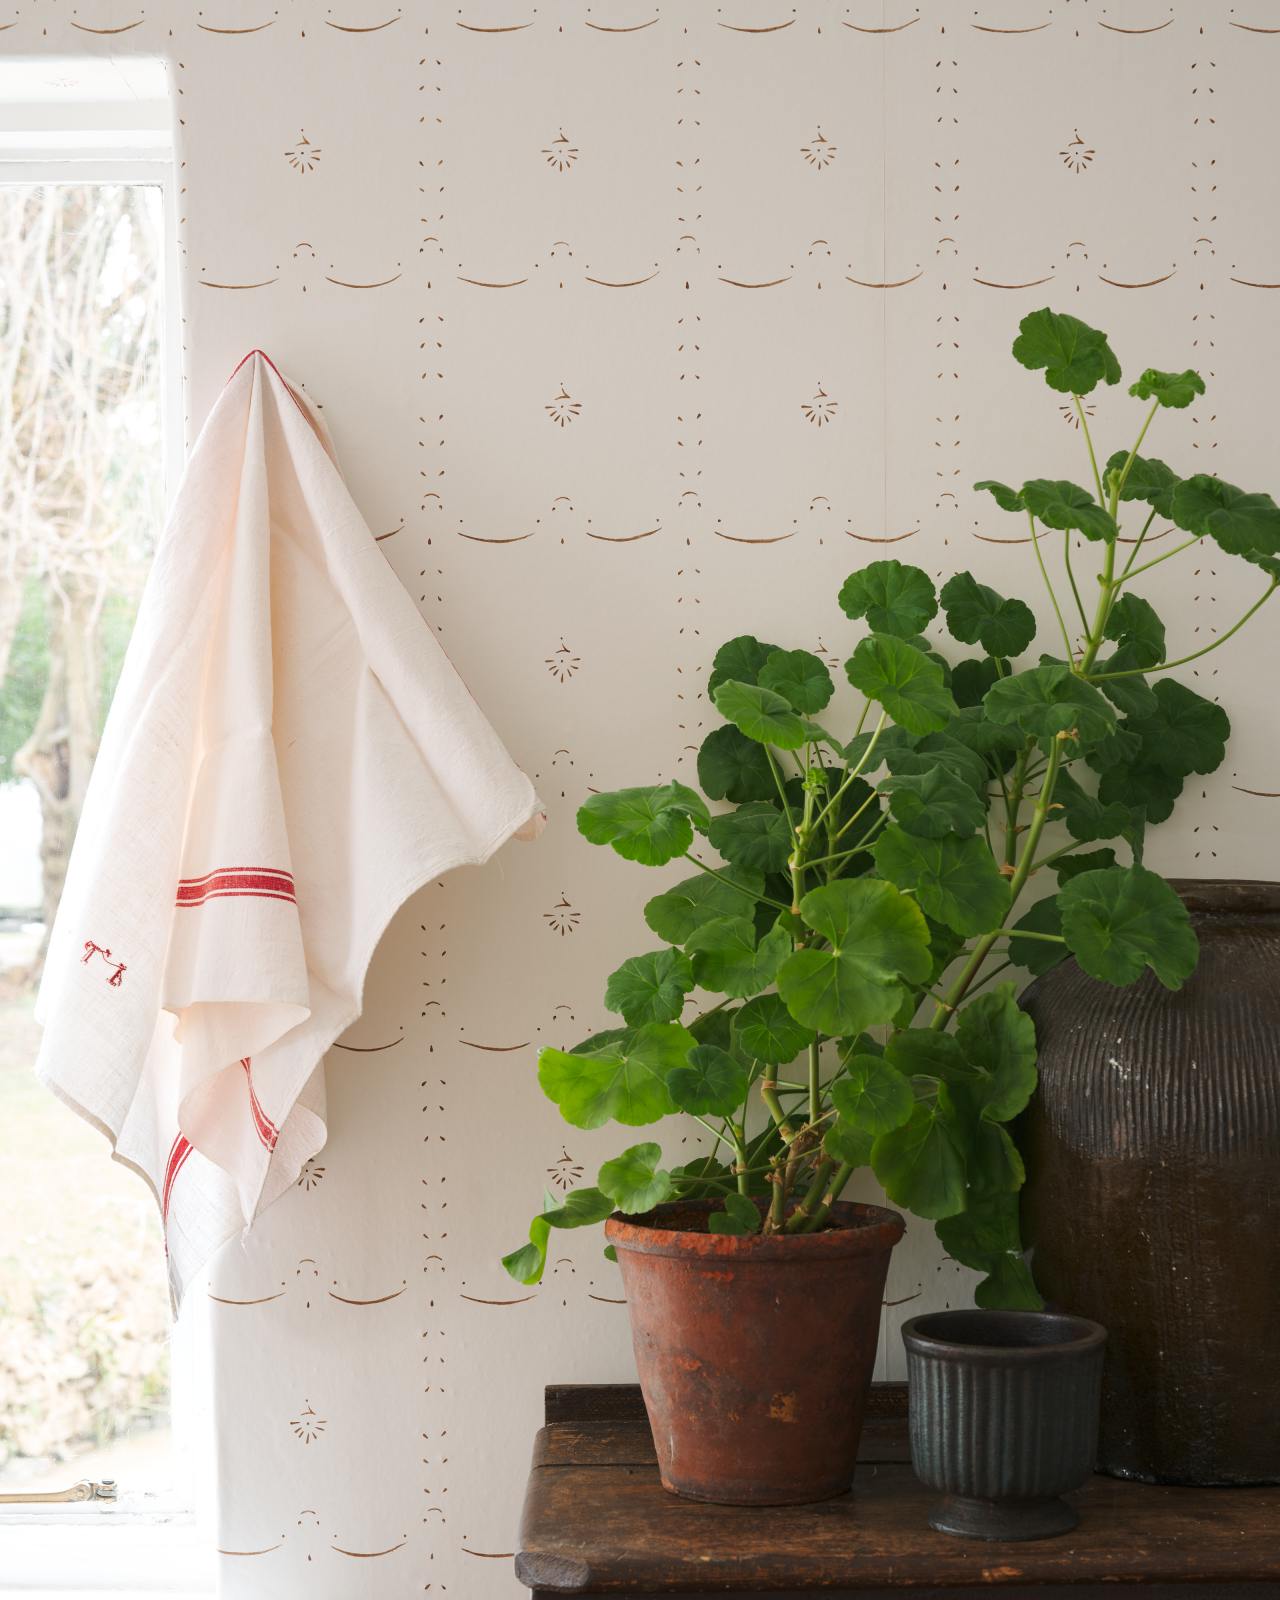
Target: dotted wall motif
pixel 639 325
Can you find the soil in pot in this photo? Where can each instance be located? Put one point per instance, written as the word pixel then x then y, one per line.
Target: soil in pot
pixel 755 1352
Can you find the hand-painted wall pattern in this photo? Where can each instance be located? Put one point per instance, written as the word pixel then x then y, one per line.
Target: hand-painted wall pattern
pixel 639 325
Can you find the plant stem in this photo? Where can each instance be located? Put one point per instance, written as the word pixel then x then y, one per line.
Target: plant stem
pixel 1026 933
pixel 1106 597
pixel 782 792
pixel 1040 816
pixel 742 1164
pixel 801 1218
pixel 815 1083
pixel 1088 439
pixel 1131 457
pixel 1044 573
pixel 1168 554
pixel 856 770
pixel 834 1190
pixel 1181 661
pixel 703 867
pixel 1137 545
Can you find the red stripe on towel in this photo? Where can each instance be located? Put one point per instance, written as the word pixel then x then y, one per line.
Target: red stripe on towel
pixel 178 1154
pixel 267 1130
pixel 264 883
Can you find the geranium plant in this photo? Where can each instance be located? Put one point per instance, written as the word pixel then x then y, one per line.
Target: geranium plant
pixel 833 984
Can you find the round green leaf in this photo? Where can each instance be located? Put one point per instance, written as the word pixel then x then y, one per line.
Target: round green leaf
pixel 1243 524
pixel 766 1031
pixel 847 1144
pixel 755 836
pixel 1088 861
pixel 1006 498
pixel 906 682
pixel 933 802
pixel 1186 733
pixel 1149 480
pixel 761 714
pixel 674 914
pixel 1059 503
pixel 1000 1039
pixel 978 615
pixel 799 677
pixel 1087 816
pixel 740 659
pixel 711 1083
pixel 727 959
pixel 1074 357
pixel 733 767
pixel 893 597
pixel 621 1078
pixel 740 1216
pixel 971 678
pixel 955 880
pixel 985 1236
pixel 650 825
pixel 872 1096
pixel 1177 389
pixel 927 1053
pixel 878 940
pixel 1038 955
pixel 942 750
pixel 1119 921
pixel 581 1208
pixel 1140 788
pixel 920 1164
pixel 650 988
pixel 1045 701
pixel 634 1181
pixel 1132 621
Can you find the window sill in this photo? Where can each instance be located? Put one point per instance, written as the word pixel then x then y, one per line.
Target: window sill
pixel 81 1554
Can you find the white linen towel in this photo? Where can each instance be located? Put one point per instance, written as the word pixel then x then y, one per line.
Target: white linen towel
pixel 289 756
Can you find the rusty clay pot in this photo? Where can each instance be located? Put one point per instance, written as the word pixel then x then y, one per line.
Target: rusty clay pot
pixel 755 1352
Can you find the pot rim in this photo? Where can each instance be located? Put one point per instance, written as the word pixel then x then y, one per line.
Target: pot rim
pixel 1254 896
pixel 865 1230
pixel 1089 1336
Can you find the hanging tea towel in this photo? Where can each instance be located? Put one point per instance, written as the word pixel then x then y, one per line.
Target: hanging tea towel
pixel 289 756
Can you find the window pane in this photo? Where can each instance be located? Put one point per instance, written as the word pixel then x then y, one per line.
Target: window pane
pixel 84 1314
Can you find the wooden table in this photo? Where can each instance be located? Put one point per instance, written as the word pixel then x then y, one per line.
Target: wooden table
pixel 598 1522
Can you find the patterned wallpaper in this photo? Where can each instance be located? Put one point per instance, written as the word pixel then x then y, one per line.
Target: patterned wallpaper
pixel 640 325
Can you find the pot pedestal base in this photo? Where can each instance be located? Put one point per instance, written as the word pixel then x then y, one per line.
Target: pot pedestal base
pixel 1002 1519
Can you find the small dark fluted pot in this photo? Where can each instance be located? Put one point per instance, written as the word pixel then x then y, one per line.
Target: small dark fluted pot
pixel 1152 1201
pixel 1003 1409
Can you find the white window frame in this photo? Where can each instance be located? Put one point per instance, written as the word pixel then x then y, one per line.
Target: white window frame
pixel 140 1543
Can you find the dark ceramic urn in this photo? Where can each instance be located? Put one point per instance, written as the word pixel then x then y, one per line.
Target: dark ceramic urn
pixel 1152 1202
pixel 1003 1417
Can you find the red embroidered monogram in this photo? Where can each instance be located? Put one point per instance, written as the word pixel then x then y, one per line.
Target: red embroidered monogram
pixel 260 883
pixel 118 967
pixel 267 1130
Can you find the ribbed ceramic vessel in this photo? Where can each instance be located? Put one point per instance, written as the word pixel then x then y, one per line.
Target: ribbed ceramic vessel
pixel 1003 1417
pixel 1153 1195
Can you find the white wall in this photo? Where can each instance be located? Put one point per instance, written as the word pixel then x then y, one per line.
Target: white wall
pixel 691 279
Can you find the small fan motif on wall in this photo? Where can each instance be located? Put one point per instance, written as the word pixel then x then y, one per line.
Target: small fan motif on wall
pixel 562 918
pixel 311 1175
pixel 819 152
pixel 1077 155
pixel 307 1426
pixel 1072 417
pixel 563 664
pixel 560 154
pixel 565 1173
pixel 564 409
pixel 304 156
pixel 821 409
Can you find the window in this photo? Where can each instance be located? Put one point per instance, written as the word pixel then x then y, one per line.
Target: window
pixel 89 421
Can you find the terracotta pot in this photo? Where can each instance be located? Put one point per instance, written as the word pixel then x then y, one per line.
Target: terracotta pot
pixel 1153 1192
pixel 1003 1409
pixel 755 1353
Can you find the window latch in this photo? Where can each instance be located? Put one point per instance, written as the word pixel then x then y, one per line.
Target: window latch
pixel 102 1489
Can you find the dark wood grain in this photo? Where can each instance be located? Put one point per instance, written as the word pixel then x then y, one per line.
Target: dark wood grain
pixel 623 1402
pixel 597 1522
